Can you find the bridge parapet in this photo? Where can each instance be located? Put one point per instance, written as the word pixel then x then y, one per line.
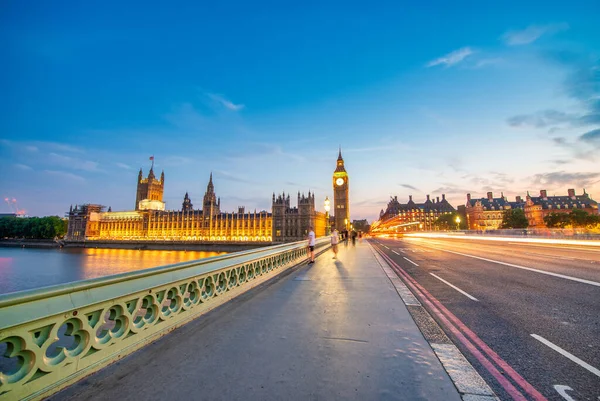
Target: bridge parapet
pixel 54 336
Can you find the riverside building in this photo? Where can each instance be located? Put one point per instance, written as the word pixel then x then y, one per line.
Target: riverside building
pixel 150 221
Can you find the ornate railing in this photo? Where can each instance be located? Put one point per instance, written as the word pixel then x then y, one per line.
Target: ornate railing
pixel 54 336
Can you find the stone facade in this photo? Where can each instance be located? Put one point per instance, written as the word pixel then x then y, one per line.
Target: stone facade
pixel 487 213
pixel 412 216
pixel 150 222
pixel 536 208
pixel 292 223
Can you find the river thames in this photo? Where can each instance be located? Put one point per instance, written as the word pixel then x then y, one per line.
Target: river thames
pixel 26 268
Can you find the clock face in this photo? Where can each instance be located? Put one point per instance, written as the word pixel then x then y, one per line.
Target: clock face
pixel 339 181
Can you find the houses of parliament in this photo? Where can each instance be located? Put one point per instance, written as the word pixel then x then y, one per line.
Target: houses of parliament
pixel 150 221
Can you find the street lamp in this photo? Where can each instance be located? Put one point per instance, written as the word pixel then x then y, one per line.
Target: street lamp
pixel 327 208
pixel 457 223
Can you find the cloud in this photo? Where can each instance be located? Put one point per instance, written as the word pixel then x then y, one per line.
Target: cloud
pixel 410 187
pixel 23 167
pixel 225 103
pixel 224 175
pixel 582 85
pixel 532 33
pixel 542 119
pixel 488 61
pixel 562 179
pixel 171 161
pixel 31 148
pixel 65 175
pixel 592 137
pixel 124 166
pixel 74 163
pixel 452 58
pixel 61 147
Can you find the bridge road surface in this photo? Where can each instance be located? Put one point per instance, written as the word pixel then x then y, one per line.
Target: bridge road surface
pixel 546 327
pixel 334 330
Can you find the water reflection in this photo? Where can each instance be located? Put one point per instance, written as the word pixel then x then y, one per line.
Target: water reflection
pixel 22 269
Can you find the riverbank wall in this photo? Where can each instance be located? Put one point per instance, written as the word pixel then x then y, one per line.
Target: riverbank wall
pixel 139 245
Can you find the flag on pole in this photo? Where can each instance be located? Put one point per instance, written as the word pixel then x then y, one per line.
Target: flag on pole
pixel 152 158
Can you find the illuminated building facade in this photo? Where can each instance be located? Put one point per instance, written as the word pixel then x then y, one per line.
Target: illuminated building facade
pixel 151 222
pixel 487 213
pixel 536 208
pixel 411 216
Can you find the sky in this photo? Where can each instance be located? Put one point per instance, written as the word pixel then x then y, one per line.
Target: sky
pixel 422 97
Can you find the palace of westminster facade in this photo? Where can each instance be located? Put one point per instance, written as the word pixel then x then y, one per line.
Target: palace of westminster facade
pixel 151 222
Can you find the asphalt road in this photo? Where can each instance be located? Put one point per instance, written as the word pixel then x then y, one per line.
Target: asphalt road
pixel 536 306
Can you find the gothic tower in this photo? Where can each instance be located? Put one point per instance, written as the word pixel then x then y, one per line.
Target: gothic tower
pixel 211 206
pixel 341 205
pixel 150 188
pixel 187 206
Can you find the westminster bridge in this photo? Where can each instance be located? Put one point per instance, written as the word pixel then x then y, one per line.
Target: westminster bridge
pixel 263 324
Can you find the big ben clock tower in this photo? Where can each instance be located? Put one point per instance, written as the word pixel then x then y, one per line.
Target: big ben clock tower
pixel 340 195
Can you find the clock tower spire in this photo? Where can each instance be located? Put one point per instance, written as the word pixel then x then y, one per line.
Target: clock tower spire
pixel 341 204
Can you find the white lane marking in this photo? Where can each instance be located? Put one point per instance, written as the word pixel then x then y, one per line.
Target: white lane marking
pixel 386 247
pixel 580 280
pixel 455 287
pixel 402 250
pixel 567 354
pixel 562 390
pixel 548 256
pixel 410 261
pixel 396 253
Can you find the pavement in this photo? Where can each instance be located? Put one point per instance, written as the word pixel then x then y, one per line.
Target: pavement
pixel 336 329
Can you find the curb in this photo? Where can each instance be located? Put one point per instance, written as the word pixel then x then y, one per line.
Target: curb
pixel 467 381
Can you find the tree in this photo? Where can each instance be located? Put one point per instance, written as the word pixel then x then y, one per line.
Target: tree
pixel 447 221
pixel 557 220
pixel 514 218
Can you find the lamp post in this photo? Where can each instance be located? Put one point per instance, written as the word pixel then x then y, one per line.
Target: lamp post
pixel 327 208
pixel 457 223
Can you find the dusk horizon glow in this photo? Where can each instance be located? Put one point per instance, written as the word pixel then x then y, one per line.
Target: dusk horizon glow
pixel 443 99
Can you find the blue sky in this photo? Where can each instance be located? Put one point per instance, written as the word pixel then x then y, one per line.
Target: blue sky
pixel 424 98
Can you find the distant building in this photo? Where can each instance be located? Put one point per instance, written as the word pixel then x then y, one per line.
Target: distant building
pixel 292 223
pixel 487 213
pixel 536 208
pixel 412 216
pixel 150 221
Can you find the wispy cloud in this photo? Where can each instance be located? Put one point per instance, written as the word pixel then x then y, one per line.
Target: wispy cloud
pixel 410 187
pixel 561 179
pixel 224 175
pixel 65 175
pixel 488 61
pixel 532 33
pixel 592 137
pixel 31 148
pixel 452 58
pixel 542 119
pixel 225 102
pixel 23 167
pixel 72 162
pixel 123 166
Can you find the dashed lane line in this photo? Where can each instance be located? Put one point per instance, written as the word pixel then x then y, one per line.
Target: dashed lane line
pixel 455 287
pixel 579 280
pixel 410 261
pixel 567 354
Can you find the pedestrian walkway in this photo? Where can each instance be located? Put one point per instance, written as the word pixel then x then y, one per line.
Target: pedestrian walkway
pixel 332 330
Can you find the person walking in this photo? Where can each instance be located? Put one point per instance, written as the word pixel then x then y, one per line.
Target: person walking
pixel 335 239
pixel 311 245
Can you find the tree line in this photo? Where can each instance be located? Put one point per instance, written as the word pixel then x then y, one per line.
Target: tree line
pixel 33 227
